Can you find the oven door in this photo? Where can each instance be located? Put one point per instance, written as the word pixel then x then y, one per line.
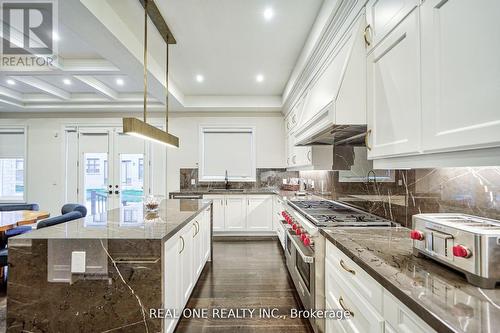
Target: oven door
pixel 301 267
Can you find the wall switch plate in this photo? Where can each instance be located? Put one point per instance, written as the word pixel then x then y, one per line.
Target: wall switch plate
pixel 193 181
pixel 78 261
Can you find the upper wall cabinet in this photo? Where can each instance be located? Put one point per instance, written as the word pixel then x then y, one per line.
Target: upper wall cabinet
pixel 460 74
pixel 393 92
pixel 384 15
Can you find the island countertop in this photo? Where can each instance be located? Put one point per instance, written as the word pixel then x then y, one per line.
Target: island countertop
pixel 128 222
pixel 102 273
pixel 439 295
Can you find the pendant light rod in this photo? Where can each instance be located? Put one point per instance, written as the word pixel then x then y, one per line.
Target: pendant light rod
pixel 166 93
pixel 145 58
pixel 137 127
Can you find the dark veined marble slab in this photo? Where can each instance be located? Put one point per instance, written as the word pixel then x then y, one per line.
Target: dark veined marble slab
pixel 437 294
pixel 123 278
pixel 129 222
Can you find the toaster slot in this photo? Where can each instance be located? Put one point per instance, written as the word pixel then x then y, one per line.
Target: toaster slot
pixel 442 244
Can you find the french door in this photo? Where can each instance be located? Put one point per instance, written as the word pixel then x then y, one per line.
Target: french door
pixel 112 170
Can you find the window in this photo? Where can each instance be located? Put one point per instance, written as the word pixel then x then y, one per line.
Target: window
pixel 12 150
pixel 141 168
pixel 126 175
pixel 230 149
pixel 93 166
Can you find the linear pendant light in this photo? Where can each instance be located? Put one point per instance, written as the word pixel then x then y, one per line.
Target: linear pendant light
pixel 137 127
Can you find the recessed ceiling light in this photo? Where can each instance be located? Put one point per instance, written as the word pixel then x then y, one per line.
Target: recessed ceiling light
pixel 268 14
pixel 67 81
pixel 120 82
pixel 199 78
pixel 259 78
pixel 11 82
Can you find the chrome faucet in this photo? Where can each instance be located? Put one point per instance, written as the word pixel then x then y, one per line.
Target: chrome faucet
pixel 226 181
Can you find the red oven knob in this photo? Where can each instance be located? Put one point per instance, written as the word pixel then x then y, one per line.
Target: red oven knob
pixel 283 213
pixel 298 231
pixel 307 241
pixel 289 221
pixel 294 226
pixel 417 235
pixel 303 236
pixel 461 251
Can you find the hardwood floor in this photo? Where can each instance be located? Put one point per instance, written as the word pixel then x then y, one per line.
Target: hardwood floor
pixel 245 274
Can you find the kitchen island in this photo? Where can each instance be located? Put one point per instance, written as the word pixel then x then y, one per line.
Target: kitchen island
pixel 108 272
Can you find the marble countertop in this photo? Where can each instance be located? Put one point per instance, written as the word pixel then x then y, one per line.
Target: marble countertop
pixel 128 222
pixel 440 296
pixel 202 191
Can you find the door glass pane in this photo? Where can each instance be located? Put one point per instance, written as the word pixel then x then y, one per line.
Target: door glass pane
pixel 131 179
pixel 95 182
pixel 11 178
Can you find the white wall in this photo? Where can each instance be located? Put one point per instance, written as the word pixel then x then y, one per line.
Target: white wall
pixel 270 141
pixel 45 155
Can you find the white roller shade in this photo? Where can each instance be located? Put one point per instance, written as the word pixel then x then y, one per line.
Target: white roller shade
pixel 228 149
pixel 12 142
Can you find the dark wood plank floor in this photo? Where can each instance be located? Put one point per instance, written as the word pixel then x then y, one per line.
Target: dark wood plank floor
pixel 245 274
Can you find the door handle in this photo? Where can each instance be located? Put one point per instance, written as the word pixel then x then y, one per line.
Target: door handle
pixel 365 35
pixel 110 192
pixel 341 302
pixel 182 239
pixel 367 135
pixel 117 192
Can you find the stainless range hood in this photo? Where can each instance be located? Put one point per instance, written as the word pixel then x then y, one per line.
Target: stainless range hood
pixel 337 135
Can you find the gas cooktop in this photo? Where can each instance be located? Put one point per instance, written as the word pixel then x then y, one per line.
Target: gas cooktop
pixel 332 214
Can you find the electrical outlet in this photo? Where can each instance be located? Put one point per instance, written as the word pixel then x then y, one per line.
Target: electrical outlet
pixel 193 181
pixel 78 261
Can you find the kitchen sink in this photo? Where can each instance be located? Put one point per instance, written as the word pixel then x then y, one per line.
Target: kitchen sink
pixel 226 190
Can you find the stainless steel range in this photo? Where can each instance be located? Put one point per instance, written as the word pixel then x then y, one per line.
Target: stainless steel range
pixel 469 244
pixel 305 249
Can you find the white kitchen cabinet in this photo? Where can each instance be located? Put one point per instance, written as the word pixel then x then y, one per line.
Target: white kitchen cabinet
pixel 259 213
pixel 186 263
pixel 206 236
pixel 185 255
pixel 172 281
pixel 375 309
pixel 219 210
pixel 460 74
pixel 393 92
pixel 235 212
pixel 400 319
pixel 384 15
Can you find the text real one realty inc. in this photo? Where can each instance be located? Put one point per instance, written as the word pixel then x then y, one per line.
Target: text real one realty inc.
pixel 242 313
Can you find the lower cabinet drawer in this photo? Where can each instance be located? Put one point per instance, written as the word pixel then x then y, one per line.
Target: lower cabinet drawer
pixel 400 319
pixel 355 276
pixel 365 319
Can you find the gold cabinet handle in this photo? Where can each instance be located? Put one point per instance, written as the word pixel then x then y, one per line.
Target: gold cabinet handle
pixel 367 135
pixel 309 155
pixel 182 249
pixel 197 227
pixel 350 270
pixel 341 302
pixel 365 35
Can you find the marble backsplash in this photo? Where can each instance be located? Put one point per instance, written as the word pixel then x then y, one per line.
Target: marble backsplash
pixel 266 178
pixel 403 193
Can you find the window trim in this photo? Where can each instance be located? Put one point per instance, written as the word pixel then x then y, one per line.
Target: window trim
pixel 24 128
pixel 227 129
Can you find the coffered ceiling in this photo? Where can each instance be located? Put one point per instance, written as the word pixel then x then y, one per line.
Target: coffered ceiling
pixel 223 46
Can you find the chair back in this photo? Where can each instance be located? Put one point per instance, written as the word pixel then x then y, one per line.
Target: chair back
pixel 67 208
pixel 59 219
pixel 14 207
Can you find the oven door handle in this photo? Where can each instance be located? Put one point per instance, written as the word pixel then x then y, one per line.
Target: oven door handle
pixel 298 248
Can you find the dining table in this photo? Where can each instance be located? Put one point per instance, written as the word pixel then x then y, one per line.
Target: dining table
pixel 12 219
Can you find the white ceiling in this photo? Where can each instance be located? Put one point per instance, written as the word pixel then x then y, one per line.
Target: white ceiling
pixel 227 41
